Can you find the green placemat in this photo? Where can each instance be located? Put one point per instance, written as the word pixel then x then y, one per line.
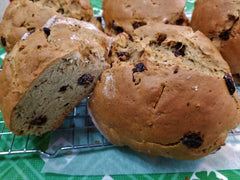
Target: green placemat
pixel 189 6
pixel 2 55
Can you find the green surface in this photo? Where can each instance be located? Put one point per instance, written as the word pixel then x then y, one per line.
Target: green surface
pixel 190 5
pixel 2 52
pixel 96 3
pixel 26 167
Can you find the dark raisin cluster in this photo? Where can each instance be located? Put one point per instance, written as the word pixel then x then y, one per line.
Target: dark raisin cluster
pixel 85 79
pixel 117 28
pixel 225 35
pixel 3 41
pixel 161 38
pixel 46 31
pixel 230 84
pixel 140 67
pixel 138 24
pixel 63 88
pixel 41 120
pixel 179 49
pixel 123 56
pixel 192 140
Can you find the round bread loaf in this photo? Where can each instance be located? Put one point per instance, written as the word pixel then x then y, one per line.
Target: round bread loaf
pixel 46 75
pixel 169 92
pixel 125 15
pixel 219 20
pixel 23 16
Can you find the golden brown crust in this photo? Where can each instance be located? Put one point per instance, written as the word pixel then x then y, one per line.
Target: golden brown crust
pixel 32 57
pixel 158 108
pixel 219 21
pixel 124 15
pixel 23 16
pixel 79 9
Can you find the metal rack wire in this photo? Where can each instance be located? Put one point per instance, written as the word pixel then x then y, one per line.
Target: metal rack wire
pixel 75 122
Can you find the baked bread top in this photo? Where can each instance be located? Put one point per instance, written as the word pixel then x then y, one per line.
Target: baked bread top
pixel 219 21
pixel 79 9
pixel 169 92
pixel 46 75
pixel 22 16
pixel 124 15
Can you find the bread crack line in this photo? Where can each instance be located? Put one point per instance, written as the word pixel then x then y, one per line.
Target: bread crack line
pixel 159 97
pixel 161 144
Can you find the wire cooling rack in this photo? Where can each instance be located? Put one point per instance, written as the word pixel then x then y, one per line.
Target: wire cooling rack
pixel 77 128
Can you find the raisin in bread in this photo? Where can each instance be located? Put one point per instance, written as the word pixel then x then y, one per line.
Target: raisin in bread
pixel 124 15
pixel 46 75
pixel 23 16
pixel 219 20
pixel 169 92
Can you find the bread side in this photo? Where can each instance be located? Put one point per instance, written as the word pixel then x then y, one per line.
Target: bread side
pixel 169 92
pixel 46 75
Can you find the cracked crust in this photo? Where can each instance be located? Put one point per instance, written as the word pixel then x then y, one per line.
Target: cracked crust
pixel 24 16
pixel 125 15
pixel 219 21
pixel 45 76
pixel 181 106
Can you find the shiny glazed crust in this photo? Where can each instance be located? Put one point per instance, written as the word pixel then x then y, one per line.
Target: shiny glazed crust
pixel 46 75
pixel 163 99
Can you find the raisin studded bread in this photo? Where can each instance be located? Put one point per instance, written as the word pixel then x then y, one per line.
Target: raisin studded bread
pixel 219 20
pixel 46 75
pixel 22 16
pixel 169 92
pixel 125 15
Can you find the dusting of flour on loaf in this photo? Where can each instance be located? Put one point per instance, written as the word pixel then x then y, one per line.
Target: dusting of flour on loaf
pixel 87 41
pixel 109 88
pixel 50 22
pixel 195 88
pixel 55 20
pixel 75 37
pixel 25 36
pixel 189 77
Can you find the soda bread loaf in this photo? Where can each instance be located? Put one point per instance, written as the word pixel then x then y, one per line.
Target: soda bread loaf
pixel 219 20
pixel 46 75
pixel 169 92
pixel 22 16
pixel 79 9
pixel 124 15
